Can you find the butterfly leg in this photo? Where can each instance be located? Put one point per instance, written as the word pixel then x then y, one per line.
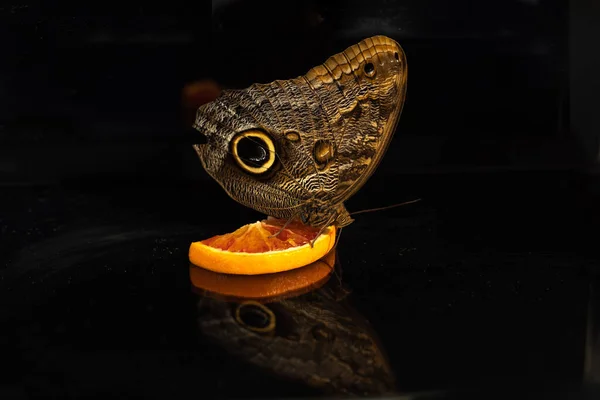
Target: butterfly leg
pixel 338 265
pixel 284 226
pixel 330 221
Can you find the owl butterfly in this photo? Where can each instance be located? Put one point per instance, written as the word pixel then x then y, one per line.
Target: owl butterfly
pixel 299 148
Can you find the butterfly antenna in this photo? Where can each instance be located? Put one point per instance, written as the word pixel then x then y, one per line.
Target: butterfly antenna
pixel 385 208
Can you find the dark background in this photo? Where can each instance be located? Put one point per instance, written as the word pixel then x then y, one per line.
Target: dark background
pixel 95 89
pixel 485 282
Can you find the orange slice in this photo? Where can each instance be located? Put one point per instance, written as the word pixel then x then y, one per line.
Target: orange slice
pixel 266 287
pixel 250 250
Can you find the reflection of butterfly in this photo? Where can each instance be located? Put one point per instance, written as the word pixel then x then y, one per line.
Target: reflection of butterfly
pixel 299 148
pixel 313 339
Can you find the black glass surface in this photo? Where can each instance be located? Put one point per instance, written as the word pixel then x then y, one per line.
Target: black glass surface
pixel 467 288
pixel 485 288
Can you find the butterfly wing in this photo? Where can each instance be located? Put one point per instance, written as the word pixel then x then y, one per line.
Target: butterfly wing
pixel 281 146
pixel 362 91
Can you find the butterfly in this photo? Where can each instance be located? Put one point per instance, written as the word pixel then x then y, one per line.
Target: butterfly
pixel 299 148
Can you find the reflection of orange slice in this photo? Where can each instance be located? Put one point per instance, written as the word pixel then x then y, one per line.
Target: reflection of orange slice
pixel 252 250
pixel 268 287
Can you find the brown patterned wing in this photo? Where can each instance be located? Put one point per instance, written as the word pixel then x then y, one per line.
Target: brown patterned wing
pixel 301 147
pixel 362 92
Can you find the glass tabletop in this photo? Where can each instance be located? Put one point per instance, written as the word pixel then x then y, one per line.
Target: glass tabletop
pixel 431 298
